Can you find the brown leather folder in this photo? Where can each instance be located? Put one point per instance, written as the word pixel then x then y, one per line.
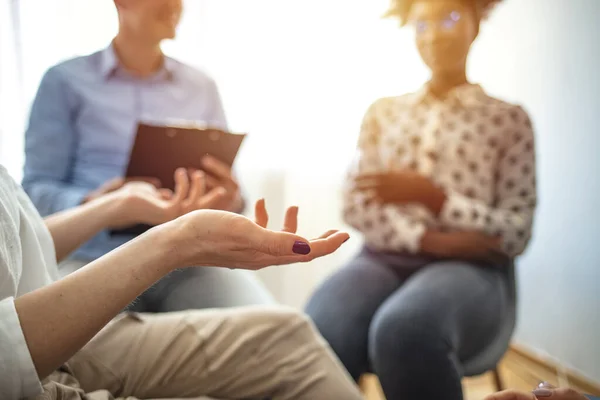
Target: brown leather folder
pixel 159 150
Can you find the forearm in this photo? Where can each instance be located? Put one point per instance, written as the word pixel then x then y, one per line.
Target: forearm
pixel 72 228
pixel 429 243
pixel 61 318
pixel 511 219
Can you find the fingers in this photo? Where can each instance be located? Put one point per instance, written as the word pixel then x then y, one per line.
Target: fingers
pixel 197 189
pixel 327 234
pixel 318 248
pixel 261 217
pixel 290 222
pixel 165 194
pixel 277 245
pixel 212 182
pixel 281 248
pixel 364 184
pixel 373 177
pixel 328 244
pixel 228 183
pixel 182 186
pixel 511 395
pixel 211 199
pixel 216 166
pixel 221 171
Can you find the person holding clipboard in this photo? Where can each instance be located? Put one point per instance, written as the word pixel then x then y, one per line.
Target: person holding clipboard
pixel 82 128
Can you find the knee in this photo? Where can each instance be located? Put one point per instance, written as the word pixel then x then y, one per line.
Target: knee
pixel 400 334
pixel 295 323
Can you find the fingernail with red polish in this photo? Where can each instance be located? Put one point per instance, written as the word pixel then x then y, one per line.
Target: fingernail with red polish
pixel 542 393
pixel 301 248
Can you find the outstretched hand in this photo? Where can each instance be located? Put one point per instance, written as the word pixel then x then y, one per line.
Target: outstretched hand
pixel 217 238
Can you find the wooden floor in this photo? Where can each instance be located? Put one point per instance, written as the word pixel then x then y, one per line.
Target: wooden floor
pixel 516 371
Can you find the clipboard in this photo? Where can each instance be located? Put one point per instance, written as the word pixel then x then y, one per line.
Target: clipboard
pixel 159 150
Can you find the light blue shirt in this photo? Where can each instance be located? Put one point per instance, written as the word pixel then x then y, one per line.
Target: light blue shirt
pixel 83 123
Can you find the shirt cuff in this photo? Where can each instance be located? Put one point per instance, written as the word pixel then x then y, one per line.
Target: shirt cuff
pixel 18 377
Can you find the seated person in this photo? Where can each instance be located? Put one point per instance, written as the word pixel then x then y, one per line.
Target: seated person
pixel 59 339
pixel 444 193
pixel 82 127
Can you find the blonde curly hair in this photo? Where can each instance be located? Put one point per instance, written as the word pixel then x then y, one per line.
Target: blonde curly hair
pixel 401 8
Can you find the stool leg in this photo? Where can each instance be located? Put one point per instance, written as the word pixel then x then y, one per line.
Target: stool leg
pixel 498 380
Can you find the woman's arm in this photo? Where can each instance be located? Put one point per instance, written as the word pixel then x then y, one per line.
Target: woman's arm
pixel 511 217
pixel 384 226
pixel 132 203
pixel 59 319
pixel 73 227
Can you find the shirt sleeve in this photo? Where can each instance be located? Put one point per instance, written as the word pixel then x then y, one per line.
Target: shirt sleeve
pixel 18 377
pixel 511 217
pixel 216 117
pixel 385 227
pixel 50 142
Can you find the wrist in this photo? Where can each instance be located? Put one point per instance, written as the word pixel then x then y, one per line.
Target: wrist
pixel 115 206
pixel 179 241
pixel 166 243
pixel 106 210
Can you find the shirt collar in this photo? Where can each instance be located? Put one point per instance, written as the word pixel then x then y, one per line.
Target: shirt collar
pixel 109 64
pixel 467 94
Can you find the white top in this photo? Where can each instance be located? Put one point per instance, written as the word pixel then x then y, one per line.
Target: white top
pixel 480 150
pixel 27 262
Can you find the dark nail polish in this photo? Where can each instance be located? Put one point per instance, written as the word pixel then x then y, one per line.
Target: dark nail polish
pixel 301 248
pixel 543 392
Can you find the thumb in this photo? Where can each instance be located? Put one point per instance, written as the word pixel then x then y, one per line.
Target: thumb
pixel 281 244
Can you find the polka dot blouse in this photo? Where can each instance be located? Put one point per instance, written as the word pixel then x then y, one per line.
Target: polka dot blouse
pixel 480 150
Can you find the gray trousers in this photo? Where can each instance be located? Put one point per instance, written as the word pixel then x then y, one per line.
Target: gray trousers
pixel 410 320
pixel 195 288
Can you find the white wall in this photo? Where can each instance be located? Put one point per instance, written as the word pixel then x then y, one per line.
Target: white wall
pixel 546 55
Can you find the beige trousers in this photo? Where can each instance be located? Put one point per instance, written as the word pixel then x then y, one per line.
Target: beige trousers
pixel 253 352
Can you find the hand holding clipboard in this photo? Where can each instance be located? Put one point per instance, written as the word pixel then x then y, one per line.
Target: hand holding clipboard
pixel 158 151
